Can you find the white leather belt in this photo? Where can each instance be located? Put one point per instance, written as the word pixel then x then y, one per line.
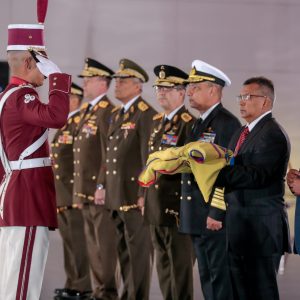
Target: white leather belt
pixel 30 163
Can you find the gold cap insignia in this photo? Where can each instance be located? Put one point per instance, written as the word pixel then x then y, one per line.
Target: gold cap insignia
pixel 193 71
pixel 162 73
pixel 122 66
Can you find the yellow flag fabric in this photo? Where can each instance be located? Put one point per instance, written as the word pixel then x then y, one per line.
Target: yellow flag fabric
pixel 204 160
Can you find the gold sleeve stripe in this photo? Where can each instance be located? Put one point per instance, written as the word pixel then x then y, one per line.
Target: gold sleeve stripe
pixel 218 204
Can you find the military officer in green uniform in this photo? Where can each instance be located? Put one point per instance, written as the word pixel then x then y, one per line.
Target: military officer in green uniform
pixel 173 250
pixel 89 151
pixel 127 152
pixel 70 221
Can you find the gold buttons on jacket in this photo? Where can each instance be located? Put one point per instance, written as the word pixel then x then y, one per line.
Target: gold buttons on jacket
pixel 114 172
pixel 57 177
pixel 189 198
pixel 156 186
pixel 94 178
pixel 114 160
pixel 132 179
pixel 56 166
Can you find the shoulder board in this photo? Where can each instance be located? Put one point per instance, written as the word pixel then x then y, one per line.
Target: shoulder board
pixel 143 106
pixel 84 105
pixel 103 104
pixel 186 117
pixel 116 108
pixel 158 116
pixel 76 120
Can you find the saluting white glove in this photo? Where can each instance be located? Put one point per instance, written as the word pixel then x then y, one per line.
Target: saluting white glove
pixel 46 66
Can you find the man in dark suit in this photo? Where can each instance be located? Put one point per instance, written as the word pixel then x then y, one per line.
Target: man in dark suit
pixel 127 152
pixel 215 125
pixel 256 218
pixel 89 152
pixel 70 221
pixel 174 251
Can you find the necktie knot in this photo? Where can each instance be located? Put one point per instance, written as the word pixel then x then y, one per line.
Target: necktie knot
pixel 241 140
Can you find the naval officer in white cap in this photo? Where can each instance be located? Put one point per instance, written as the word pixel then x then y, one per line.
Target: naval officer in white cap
pixel 215 124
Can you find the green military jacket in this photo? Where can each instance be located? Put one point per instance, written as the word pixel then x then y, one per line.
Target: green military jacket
pixel 162 200
pixel 89 148
pixel 62 155
pixel 127 153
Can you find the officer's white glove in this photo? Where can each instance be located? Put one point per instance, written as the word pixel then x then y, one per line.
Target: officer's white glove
pixel 46 66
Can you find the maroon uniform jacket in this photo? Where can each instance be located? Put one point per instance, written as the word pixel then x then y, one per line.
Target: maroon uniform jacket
pixel 30 195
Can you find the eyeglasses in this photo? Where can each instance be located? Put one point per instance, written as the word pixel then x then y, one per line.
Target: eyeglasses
pixel 248 97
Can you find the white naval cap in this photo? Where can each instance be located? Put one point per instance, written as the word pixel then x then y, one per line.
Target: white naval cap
pixel 202 71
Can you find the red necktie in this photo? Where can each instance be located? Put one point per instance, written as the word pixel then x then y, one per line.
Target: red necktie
pixel 241 140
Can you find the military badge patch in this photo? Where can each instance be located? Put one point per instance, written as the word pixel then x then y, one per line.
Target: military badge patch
pixel 28 98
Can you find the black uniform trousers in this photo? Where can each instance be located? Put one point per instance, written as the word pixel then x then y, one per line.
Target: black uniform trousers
pixel 254 277
pixel 213 264
pixel 70 225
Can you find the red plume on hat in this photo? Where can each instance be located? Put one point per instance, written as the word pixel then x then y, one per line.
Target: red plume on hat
pixel 29 36
pixel 42 6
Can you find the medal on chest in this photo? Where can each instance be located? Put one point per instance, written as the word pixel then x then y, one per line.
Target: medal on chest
pixel 65 138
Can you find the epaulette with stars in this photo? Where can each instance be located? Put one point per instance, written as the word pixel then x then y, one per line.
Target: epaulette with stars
pixel 143 106
pixel 186 117
pixel 158 116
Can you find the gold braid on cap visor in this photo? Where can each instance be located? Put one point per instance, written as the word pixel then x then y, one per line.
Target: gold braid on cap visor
pixel 76 92
pixel 91 71
pixel 199 78
pixel 129 73
pixel 169 81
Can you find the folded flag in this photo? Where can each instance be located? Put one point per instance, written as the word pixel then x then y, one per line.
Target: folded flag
pixel 204 160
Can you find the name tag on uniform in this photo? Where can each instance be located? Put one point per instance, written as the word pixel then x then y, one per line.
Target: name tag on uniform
pixel 89 129
pixel 128 125
pixel 208 137
pixel 168 139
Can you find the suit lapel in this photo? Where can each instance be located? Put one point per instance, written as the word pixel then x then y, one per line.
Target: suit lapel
pixel 251 136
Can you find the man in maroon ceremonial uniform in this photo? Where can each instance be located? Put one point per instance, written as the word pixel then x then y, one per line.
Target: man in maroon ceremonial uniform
pixel 27 194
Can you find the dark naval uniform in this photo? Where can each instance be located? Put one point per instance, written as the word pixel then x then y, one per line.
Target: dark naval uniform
pixel 70 221
pixel 127 152
pixel 173 250
pixel 210 246
pixel 89 151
